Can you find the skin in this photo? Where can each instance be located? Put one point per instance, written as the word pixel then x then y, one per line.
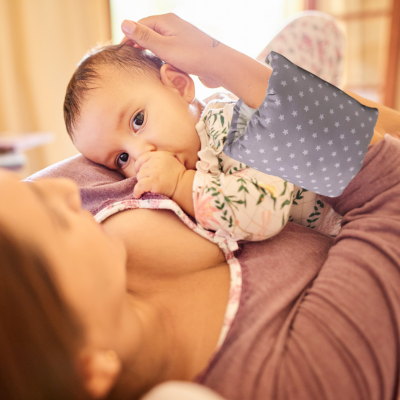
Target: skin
pixel 144 127
pixel 124 298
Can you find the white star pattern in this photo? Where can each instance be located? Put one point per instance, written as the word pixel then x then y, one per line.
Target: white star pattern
pixel 336 145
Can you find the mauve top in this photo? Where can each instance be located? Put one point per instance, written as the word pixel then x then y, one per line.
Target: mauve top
pixel 319 318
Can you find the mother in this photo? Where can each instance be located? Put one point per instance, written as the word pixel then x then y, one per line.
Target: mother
pixel 318 318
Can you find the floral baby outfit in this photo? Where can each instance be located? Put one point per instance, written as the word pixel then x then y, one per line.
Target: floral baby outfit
pixel 229 197
pixel 240 202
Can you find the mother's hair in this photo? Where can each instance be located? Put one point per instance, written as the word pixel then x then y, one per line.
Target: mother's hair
pixel 39 334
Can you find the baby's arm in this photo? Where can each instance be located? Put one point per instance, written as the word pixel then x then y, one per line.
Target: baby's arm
pixel 183 192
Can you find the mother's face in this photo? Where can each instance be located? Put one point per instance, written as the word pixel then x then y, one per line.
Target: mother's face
pixel 87 264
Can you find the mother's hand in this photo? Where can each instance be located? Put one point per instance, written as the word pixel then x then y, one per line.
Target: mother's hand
pixel 177 42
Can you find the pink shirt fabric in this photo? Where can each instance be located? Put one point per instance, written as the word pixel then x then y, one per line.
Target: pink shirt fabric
pixel 319 318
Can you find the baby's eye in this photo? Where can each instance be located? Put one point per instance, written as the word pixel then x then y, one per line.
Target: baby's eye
pixel 122 160
pixel 138 119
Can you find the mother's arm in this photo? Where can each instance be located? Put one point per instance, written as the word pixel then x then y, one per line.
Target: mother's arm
pixel 344 341
pixel 388 120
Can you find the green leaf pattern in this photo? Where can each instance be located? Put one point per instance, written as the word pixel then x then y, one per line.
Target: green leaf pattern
pixel 245 203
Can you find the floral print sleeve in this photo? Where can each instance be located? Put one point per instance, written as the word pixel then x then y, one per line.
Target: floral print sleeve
pixel 229 197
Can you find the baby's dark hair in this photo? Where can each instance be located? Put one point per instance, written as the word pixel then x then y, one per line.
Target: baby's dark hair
pixel 124 57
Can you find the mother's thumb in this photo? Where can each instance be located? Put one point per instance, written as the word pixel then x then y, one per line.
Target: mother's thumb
pixel 140 34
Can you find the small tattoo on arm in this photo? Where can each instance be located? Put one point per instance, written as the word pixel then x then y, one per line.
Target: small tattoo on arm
pixel 215 42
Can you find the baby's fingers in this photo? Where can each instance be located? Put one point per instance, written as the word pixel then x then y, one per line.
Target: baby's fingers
pixel 141 187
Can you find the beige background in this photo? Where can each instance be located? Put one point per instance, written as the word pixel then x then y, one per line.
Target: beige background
pixel 41 41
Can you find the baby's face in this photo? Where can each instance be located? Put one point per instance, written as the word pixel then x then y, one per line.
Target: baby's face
pixel 127 116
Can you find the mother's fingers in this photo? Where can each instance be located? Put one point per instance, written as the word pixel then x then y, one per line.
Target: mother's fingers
pixel 144 37
pixel 125 39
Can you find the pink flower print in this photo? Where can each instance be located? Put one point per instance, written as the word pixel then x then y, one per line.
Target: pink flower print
pixel 130 204
pixel 234 294
pixel 228 321
pixel 263 226
pixel 188 222
pixel 155 203
pixel 306 44
pixel 243 173
pixel 204 210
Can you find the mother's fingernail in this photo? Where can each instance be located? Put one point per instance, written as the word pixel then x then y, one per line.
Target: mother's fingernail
pixel 128 27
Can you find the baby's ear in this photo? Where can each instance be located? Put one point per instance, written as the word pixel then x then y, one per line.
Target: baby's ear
pixel 178 81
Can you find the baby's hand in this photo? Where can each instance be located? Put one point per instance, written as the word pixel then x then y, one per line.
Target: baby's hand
pixel 157 172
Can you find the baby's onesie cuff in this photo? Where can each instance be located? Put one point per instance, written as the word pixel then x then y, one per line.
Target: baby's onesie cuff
pixel 306 131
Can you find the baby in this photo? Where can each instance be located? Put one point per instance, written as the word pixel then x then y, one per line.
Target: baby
pixel 127 110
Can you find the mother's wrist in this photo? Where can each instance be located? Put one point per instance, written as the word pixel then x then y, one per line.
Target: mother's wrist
pixel 241 75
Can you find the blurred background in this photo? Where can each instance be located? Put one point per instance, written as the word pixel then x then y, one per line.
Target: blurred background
pixel 41 42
